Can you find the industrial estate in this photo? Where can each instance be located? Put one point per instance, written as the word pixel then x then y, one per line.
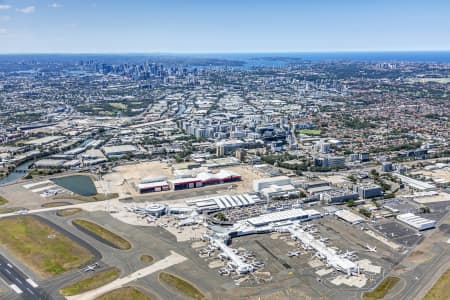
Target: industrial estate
pixel 130 177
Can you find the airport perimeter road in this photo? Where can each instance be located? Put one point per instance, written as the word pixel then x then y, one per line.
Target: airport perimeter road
pixel 21 284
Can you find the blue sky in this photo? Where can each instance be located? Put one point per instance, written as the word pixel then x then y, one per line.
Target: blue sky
pixel 190 26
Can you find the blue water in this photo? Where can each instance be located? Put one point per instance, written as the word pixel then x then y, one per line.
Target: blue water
pixel 79 184
pixel 279 59
pixel 13 176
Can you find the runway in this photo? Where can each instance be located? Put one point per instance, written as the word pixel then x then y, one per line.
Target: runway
pixel 21 284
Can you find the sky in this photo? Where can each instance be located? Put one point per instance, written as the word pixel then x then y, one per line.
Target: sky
pixel 223 26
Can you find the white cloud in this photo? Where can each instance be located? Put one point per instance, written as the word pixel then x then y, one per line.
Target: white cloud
pixel 3 31
pixel 27 10
pixel 5 18
pixel 5 6
pixel 56 5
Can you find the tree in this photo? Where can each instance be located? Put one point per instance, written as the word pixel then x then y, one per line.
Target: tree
pixel 221 216
pixel 365 212
pixel 374 173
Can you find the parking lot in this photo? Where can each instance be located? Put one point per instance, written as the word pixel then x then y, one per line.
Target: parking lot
pixel 399 233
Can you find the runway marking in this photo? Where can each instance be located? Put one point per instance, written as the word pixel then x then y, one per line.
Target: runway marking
pixel 16 288
pixel 32 283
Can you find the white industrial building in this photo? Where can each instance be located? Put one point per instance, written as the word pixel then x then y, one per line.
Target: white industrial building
pixel 280 191
pixel 50 163
pixel 285 215
pixel 260 184
pixel 415 184
pixel 417 222
pixel 223 202
pixel 119 150
pixel 153 179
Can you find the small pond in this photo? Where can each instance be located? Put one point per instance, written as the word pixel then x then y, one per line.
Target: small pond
pixel 79 184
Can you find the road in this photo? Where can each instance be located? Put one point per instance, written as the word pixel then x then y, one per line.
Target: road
pixel 24 286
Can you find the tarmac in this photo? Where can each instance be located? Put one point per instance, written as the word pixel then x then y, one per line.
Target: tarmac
pixel 24 287
pixel 173 259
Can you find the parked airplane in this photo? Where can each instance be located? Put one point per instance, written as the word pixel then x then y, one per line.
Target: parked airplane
pixel 293 253
pixel 306 247
pixel 348 254
pixel 319 255
pixel 370 249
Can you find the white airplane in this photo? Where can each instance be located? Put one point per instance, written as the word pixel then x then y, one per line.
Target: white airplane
pixel 257 263
pixel 323 240
pixel 223 256
pixel 306 247
pixel 318 255
pixel 293 253
pixel 348 254
pixel 224 272
pixel 370 249
pixel 91 267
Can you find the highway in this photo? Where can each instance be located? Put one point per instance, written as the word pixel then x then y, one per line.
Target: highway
pixel 21 284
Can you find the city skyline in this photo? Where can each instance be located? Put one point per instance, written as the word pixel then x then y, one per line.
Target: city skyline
pixel 174 26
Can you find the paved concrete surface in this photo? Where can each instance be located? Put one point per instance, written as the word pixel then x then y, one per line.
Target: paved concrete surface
pixel 173 259
pixel 22 285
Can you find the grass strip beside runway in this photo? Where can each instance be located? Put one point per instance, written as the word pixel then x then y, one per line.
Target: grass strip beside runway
pixel 381 290
pixel 103 234
pixel 125 293
pixel 441 289
pixel 92 282
pixel 43 248
pixel 180 285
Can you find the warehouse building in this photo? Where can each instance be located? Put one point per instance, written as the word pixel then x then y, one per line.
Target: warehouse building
pixel 221 177
pixel 223 202
pixel 263 183
pixel 280 191
pixel 185 183
pixel 417 222
pixel 50 163
pixel 118 151
pixel 415 184
pixel 149 187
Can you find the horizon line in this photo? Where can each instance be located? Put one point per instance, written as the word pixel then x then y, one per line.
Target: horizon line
pixel 224 52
